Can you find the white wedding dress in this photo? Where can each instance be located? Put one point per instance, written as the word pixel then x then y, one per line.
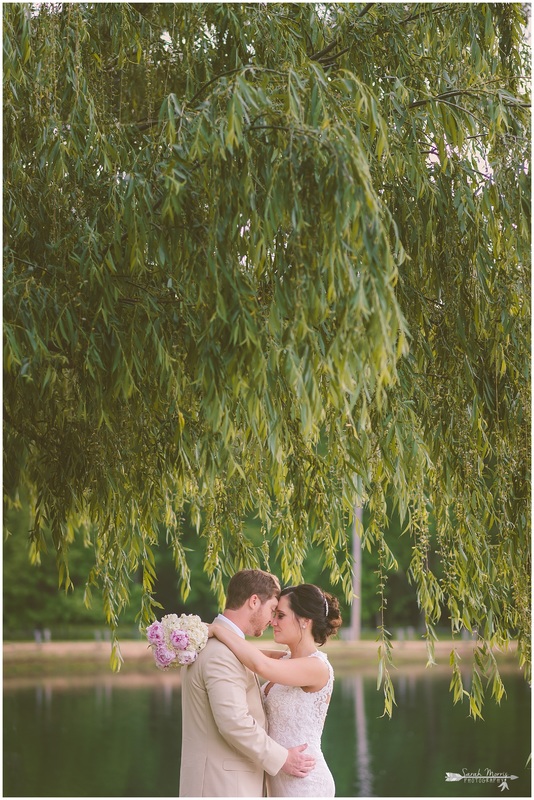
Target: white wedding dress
pixel 297 717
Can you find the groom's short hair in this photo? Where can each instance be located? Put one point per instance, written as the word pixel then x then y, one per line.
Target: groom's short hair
pixel 248 582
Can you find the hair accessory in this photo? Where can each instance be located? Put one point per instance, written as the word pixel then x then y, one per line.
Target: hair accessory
pixel 325 607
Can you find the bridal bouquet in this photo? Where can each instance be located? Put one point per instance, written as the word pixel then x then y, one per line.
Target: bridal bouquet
pixel 177 641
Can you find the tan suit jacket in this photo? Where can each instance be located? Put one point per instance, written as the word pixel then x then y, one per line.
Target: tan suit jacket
pixel 225 747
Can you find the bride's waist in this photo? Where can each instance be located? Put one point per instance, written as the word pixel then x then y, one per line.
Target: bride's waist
pixel 295 739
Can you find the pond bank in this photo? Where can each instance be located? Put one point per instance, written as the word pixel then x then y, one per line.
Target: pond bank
pixel 31 659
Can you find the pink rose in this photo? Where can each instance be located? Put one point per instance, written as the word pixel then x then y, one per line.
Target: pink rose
pixel 154 633
pixel 179 639
pixel 163 656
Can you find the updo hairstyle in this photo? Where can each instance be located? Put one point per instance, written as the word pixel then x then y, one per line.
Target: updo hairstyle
pixel 322 608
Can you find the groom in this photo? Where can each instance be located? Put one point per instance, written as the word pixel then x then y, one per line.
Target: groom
pixel 225 747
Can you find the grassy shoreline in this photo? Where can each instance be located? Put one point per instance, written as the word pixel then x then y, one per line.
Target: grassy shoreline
pixel 62 659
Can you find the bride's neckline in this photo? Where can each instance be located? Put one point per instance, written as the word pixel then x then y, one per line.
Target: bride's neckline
pixel 306 656
pixel 268 686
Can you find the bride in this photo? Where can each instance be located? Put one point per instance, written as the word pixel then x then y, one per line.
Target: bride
pixel 299 682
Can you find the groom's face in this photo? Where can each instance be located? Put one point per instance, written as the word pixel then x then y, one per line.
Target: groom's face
pixel 262 616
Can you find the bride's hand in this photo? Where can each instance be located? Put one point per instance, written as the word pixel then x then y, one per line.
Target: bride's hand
pixel 213 627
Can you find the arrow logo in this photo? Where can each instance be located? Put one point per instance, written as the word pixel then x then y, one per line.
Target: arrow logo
pixel 476 777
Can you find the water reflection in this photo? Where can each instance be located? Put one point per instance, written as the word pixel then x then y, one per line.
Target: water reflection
pixel 43 699
pixel 363 760
pixel 119 736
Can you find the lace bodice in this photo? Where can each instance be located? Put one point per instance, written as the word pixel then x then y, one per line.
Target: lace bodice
pixel 297 717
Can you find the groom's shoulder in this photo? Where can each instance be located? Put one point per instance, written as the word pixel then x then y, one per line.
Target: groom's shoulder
pixel 215 648
pixel 216 652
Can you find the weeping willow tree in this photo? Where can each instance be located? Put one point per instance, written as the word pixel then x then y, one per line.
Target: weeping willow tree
pixel 273 259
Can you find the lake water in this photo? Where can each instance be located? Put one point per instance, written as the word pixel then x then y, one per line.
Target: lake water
pixel 120 737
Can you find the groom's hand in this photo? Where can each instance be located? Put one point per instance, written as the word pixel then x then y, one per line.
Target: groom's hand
pixel 298 764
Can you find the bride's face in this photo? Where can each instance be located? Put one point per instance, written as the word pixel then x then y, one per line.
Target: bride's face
pixel 261 617
pixel 286 625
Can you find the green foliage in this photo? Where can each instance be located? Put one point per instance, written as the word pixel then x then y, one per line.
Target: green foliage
pixel 272 260
pixel 32 597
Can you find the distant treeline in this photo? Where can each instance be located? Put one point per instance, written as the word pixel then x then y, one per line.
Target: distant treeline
pixel 32 601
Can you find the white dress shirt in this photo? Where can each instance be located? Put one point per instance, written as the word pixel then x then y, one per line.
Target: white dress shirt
pixel 225 620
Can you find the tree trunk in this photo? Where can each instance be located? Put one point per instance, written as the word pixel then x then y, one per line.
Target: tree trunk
pixel 356 614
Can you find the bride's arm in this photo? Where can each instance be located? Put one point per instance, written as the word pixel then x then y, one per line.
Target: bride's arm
pixel 287 671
